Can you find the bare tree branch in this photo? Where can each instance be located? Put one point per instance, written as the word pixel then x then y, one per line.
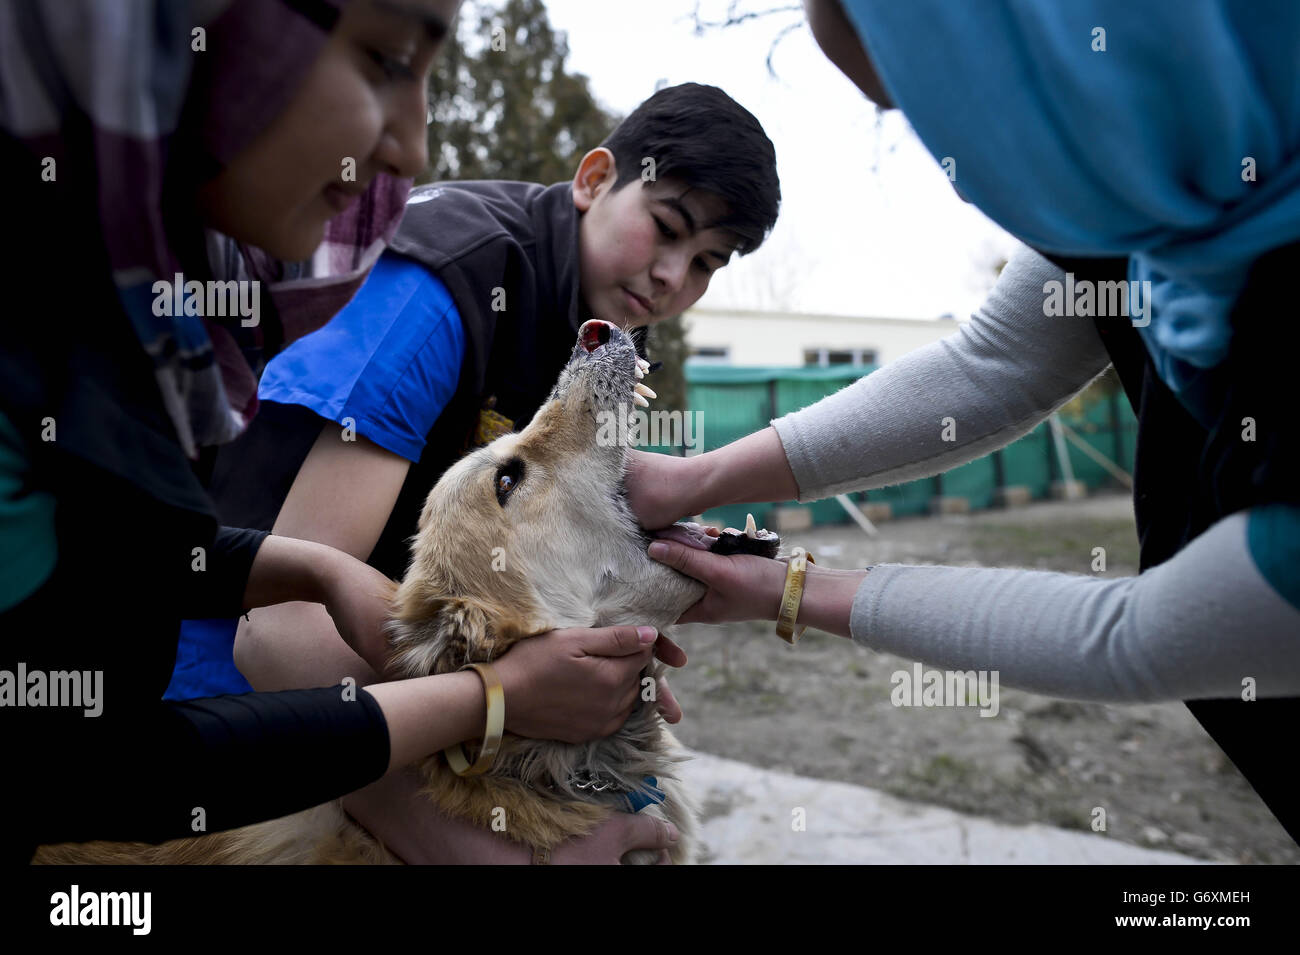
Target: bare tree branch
pixel 771 50
pixel 736 16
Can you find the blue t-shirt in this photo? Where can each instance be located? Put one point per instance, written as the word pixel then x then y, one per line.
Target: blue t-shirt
pixel 387 365
pixel 389 361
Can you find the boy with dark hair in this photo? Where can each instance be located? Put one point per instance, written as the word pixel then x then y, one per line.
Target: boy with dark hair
pixel 679 128
pixel 457 337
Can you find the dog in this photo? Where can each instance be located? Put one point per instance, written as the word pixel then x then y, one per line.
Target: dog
pixel 530 533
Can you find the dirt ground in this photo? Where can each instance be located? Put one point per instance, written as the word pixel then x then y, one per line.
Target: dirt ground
pixel 823 709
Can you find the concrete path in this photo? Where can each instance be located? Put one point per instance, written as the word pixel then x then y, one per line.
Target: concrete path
pixel 751 816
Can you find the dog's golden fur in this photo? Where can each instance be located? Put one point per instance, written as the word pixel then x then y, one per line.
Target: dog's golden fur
pixel 559 549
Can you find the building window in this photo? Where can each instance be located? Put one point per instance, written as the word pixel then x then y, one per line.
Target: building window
pixel 825 357
pixel 710 354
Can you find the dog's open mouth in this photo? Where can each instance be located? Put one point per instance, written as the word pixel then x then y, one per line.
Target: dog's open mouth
pixel 688 533
pixel 605 359
pixel 751 540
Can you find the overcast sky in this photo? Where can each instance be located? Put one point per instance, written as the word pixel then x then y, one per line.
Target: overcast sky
pixel 895 241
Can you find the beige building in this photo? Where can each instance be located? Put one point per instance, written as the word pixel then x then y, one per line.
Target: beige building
pixel 789 339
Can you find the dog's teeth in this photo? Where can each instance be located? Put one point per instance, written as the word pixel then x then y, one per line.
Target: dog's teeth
pixel 641 389
pixel 638 400
pixel 751 528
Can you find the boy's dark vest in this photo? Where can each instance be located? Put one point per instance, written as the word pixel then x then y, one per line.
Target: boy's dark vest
pixel 1188 476
pixel 508 254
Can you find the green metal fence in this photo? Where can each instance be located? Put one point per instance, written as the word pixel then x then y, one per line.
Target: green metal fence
pixel 730 403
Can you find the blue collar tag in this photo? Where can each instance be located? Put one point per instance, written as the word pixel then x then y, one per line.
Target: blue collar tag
pixel 648 795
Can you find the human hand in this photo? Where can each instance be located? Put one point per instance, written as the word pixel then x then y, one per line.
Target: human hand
pixel 741 587
pixel 358 599
pixel 654 485
pixel 612 839
pixel 662 488
pixel 746 587
pixel 577 685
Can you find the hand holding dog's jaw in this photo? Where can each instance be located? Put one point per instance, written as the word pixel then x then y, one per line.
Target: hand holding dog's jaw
pixel 745 587
pixel 659 487
pixel 662 488
pixel 740 587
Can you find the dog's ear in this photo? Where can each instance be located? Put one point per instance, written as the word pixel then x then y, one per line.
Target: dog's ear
pixel 441 634
pixel 437 635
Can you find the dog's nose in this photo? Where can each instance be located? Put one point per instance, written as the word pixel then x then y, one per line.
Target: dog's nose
pixel 594 333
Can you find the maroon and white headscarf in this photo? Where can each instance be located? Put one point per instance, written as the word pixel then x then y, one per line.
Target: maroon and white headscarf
pixel 123 75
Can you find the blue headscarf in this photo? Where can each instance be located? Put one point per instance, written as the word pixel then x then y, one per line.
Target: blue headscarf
pixel 1165 130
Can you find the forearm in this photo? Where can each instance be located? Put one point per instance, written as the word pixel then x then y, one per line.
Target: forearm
pixel 427 714
pixel 828 598
pixel 1204 625
pixel 244 759
pixel 826 603
pixel 1195 627
pixel 239 759
pixel 288 569
pixel 753 468
pixel 424 715
pixel 952 401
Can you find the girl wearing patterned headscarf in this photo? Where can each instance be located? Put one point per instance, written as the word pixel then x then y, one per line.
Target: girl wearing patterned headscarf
pixel 192 185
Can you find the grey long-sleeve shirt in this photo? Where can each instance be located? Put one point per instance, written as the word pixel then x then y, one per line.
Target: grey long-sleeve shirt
pixel 1195 627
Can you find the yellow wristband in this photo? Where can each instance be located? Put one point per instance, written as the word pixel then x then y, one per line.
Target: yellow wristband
pixel 795 573
pixel 496 725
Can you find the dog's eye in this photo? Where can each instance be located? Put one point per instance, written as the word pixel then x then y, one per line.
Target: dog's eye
pixel 508 477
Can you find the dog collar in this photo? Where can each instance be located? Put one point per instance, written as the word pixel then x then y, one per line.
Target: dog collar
pixel 648 795
pixel 633 799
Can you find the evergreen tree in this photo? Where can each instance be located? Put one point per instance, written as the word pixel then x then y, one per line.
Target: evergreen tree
pixel 666 342
pixel 503 104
